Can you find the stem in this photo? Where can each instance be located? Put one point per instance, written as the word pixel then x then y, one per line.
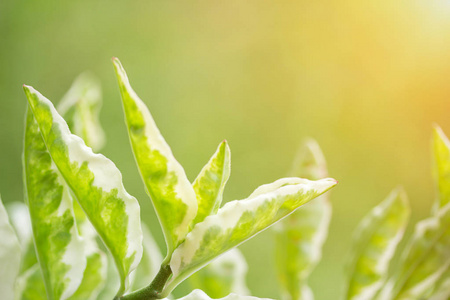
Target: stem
pixel 153 291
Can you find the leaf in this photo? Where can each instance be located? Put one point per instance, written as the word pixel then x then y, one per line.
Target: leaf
pixel 441 290
pixel 426 258
pixel 300 236
pixel 59 249
pixel 441 149
pixel 112 281
pixel 210 183
pixel 224 275
pixel 150 263
pixel 170 191
pixel 81 108
pixel 237 221
pixel 200 295
pixel 375 241
pixel 97 185
pixel 20 219
pixel 30 285
pixel 9 255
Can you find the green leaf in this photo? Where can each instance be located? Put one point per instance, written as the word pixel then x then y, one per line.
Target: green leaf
pixel 80 106
pixel 9 255
pixel 94 276
pixel 30 285
pixel 112 281
pixel 237 221
pixel 59 248
pixel 426 258
pixel 170 191
pixel 210 183
pixel 200 295
pixel 441 290
pixel 300 236
pixel 441 149
pixel 375 241
pixel 150 263
pixel 97 185
pixel 224 275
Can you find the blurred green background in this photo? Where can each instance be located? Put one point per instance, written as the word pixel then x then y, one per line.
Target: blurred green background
pixel 367 79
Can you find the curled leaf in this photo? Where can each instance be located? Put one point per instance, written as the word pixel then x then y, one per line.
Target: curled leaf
pixel 96 183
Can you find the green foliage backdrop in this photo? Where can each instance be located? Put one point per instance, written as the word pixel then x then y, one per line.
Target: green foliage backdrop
pixel 366 79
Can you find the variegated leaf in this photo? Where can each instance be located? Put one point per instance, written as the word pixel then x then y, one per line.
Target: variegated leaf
pixel 224 275
pixel 300 236
pixel 96 183
pixel 30 285
pixel 375 241
pixel 441 149
pixel 150 263
pixel 112 281
pixel 170 191
pixel 9 255
pixel 237 221
pixel 80 106
pixel 200 295
pixel 210 183
pixel 426 258
pixel 60 250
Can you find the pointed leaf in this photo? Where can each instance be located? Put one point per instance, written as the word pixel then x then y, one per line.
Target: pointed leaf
pixel 300 236
pixel 224 275
pixel 375 241
pixel 96 183
pixel 59 248
pixel 236 222
pixel 30 285
pixel 426 258
pixel 9 255
pixel 80 106
pixel 210 183
pixel 170 191
pixel 200 295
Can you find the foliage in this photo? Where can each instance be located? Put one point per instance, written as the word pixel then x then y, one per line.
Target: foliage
pixel 84 222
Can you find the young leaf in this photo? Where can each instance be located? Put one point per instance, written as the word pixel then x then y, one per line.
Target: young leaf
pixel 300 236
pixel 237 221
pixel 170 191
pixel 210 183
pixel 200 295
pixel 9 255
pixel 224 275
pixel 81 108
pixel 96 183
pixel 427 257
pixel 30 285
pixel 375 241
pixel 59 249
pixel 441 149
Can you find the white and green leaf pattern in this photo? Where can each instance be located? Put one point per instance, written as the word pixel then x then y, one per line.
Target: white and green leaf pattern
pixel 200 295
pixel 30 285
pixel 80 107
pixel 96 183
pixel 9 255
pixel 210 183
pixel 237 221
pixel 441 149
pixel 224 275
pixel 375 241
pixel 59 248
pixel 300 236
pixel 426 258
pixel 171 192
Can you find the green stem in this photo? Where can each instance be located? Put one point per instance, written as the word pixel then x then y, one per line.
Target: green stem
pixel 153 291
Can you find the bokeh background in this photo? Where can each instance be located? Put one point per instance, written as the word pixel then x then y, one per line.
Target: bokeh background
pixel 367 79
